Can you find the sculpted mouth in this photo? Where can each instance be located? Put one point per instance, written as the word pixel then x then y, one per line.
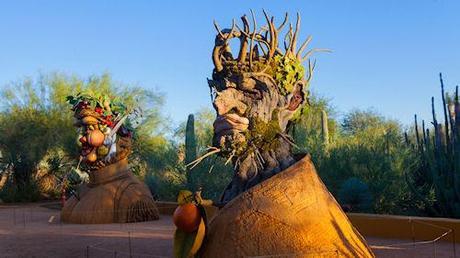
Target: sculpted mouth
pixel 230 123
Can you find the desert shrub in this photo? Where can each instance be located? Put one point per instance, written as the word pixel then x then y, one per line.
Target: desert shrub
pixel 366 146
pixel 375 153
pixel 25 138
pixel 51 171
pixel 13 193
pixel 165 185
pixel 211 176
pixel 164 175
pixel 356 194
pixel 307 129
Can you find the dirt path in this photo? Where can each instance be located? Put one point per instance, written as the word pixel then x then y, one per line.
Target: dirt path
pixel 25 231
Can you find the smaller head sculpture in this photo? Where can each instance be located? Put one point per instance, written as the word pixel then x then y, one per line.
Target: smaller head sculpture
pixel 258 93
pixel 103 137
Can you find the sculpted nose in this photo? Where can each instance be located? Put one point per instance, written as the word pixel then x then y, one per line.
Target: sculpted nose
pixel 229 99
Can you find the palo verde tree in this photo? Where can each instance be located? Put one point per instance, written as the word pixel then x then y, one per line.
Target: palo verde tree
pixel 29 123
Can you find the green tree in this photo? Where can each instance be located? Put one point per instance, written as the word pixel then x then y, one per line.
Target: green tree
pixel 359 120
pixel 371 149
pixel 363 145
pixel 34 118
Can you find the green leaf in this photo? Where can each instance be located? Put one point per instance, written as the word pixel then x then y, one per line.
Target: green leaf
pixel 183 243
pixel 184 197
pixel 188 244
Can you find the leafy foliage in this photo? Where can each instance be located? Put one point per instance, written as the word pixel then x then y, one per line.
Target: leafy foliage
pixel 360 120
pixel 356 194
pixel 365 146
pixel 287 71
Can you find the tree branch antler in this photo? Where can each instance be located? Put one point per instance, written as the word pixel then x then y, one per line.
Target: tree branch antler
pixel 221 44
pixel 264 39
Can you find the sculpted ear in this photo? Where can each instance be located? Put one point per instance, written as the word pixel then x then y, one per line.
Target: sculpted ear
pixel 295 100
pixel 297 96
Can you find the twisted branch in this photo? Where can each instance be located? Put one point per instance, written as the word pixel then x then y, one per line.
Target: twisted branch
pixel 264 39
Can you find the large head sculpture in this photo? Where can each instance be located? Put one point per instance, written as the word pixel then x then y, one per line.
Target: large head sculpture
pixel 257 93
pixel 103 137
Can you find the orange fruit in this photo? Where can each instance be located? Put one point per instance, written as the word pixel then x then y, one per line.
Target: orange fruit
pixel 95 138
pixel 91 157
pixel 187 217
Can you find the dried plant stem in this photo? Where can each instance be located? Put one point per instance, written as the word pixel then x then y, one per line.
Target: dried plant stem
pixel 198 160
pixel 230 158
pixel 259 159
pixel 79 162
pixel 288 140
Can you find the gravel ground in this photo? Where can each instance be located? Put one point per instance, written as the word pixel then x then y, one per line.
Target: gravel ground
pixel 35 231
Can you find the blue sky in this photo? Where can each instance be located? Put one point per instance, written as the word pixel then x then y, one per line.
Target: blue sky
pixel 387 54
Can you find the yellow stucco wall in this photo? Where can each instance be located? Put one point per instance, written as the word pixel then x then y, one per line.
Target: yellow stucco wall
pixel 418 228
pixel 390 226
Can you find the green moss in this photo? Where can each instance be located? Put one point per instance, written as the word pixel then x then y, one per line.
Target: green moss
pixel 262 135
pixel 288 70
pixel 285 70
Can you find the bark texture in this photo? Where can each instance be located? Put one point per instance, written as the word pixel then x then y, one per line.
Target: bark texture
pixel 257 167
pixel 292 214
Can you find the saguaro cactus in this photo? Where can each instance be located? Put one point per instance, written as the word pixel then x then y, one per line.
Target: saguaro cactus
pixel 324 128
pixel 439 156
pixel 190 145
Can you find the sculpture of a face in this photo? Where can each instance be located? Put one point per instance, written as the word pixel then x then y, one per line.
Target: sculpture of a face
pixel 256 95
pixel 103 138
